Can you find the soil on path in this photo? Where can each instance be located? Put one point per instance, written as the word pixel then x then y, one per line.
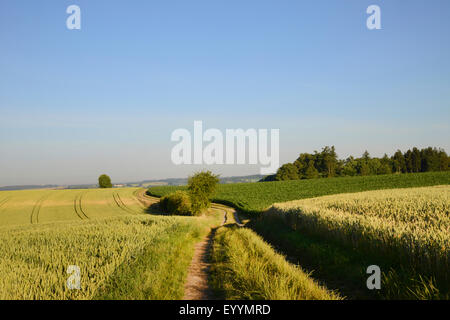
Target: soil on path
pixel 196 287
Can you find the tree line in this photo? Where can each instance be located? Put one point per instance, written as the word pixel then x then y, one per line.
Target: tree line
pixel 325 164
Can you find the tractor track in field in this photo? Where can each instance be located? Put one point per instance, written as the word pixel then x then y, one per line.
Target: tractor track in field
pixel 144 199
pixel 137 195
pixel 81 207
pixel 121 204
pixel 78 207
pixel 4 201
pixel 34 218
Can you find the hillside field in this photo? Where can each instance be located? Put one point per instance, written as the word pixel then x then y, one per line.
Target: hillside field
pixel 42 206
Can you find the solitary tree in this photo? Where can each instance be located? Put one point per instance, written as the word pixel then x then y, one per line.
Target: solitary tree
pixel 104 181
pixel 201 186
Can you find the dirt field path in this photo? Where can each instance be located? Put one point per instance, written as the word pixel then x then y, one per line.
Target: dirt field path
pixel 196 286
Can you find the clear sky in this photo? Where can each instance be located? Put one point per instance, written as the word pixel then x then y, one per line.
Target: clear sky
pixel 105 99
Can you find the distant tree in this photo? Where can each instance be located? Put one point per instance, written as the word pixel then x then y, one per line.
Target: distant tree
pixel 311 172
pixel 287 172
pixel 385 169
pixel 326 164
pixel 268 178
pixel 363 167
pixel 340 168
pixel 328 161
pixel 416 160
pixel 409 161
pixel 386 166
pixel 374 166
pixel 443 161
pixel 201 187
pixel 398 162
pixel 350 167
pixel 430 159
pixel 104 181
pixel 366 155
pixel 302 164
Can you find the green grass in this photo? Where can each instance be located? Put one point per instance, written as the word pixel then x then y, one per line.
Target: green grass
pixel 253 198
pixel 245 267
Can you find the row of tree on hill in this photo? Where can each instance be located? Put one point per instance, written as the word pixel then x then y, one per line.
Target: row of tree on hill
pixel 326 164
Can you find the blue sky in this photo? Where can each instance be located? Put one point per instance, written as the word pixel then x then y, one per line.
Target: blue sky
pixel 77 103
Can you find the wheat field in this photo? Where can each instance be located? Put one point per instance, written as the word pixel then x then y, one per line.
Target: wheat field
pixel 106 233
pixel 42 206
pixel 408 225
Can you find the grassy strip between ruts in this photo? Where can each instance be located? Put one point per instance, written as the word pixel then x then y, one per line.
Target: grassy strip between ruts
pixel 253 198
pixel 245 267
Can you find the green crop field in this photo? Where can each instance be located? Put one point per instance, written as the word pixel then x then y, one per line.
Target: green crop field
pixel 255 197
